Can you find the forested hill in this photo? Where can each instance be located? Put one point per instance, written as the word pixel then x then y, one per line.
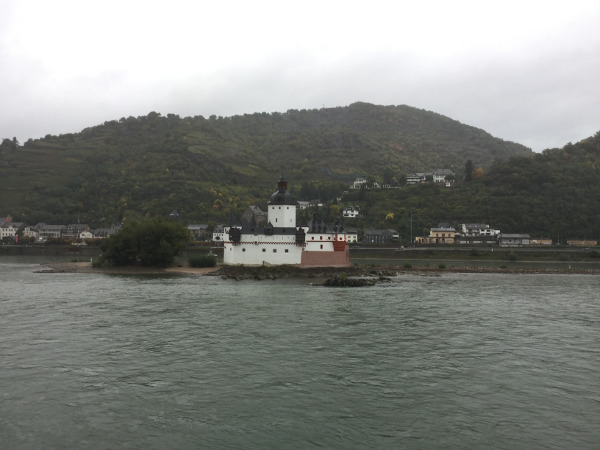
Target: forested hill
pixel 553 194
pixel 204 167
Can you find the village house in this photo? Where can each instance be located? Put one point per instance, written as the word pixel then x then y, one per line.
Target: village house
pixel 351 235
pixel 415 178
pixel 74 231
pixel 513 240
pixel 43 231
pixel 445 176
pixel 9 229
pixel 540 241
pixel 375 236
pixel 442 175
pixel 351 212
pixel 198 231
pixel 476 234
pixel 478 229
pixel 581 243
pixel 442 234
pixel 359 183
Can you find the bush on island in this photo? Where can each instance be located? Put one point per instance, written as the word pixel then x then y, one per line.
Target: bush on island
pixel 202 261
pixel 151 242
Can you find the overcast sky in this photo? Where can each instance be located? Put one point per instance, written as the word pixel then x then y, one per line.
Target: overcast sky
pixel 525 71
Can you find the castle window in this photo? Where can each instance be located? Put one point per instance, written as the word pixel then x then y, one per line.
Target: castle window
pixel 264 250
pixel 243 249
pixel 274 250
pixel 321 246
pixel 286 250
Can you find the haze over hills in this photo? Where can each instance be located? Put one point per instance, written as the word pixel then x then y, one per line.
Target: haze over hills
pixel 205 167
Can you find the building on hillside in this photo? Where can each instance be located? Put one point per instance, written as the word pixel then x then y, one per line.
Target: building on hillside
pixel 478 229
pixel 351 212
pixel 443 176
pixel 374 236
pixel 74 230
pixel 513 240
pixel 581 243
pixel 218 234
pixel 42 231
pixel 281 241
pixel 415 178
pixel 102 233
pixel 442 234
pixel 9 229
pixel 437 176
pixel 351 235
pixel 198 231
pixel 359 183
pixel 540 241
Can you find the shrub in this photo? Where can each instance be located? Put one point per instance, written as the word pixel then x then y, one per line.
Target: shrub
pixel 151 242
pixel 202 261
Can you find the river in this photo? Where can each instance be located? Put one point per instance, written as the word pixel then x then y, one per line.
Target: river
pixel 176 362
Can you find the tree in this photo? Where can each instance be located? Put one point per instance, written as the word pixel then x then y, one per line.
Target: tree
pixel 151 242
pixel 477 174
pixel 468 171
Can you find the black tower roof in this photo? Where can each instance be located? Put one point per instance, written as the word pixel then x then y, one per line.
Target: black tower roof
pixel 282 196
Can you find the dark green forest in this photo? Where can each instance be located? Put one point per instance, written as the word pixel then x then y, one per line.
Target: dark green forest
pixel 147 166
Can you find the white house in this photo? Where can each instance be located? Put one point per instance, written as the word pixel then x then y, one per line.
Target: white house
pixel 359 182
pixel 10 229
pixel 478 229
pixel 439 175
pixel 351 212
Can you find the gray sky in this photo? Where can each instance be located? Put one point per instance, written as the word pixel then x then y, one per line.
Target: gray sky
pixel 525 71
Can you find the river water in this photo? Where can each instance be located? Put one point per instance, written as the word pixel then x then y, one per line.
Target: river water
pixel 178 362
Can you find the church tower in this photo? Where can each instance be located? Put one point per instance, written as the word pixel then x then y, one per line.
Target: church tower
pixel 282 207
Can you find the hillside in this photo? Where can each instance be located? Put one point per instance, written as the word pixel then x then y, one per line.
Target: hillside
pixel 553 194
pixel 203 167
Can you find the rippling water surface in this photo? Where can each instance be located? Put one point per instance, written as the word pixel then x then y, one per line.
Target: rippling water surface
pixel 458 360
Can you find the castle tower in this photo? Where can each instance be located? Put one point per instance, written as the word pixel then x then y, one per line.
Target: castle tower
pixel 282 207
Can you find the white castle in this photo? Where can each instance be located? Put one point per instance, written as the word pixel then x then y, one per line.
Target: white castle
pixel 282 242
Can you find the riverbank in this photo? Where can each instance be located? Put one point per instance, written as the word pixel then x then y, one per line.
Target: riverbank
pixel 275 272
pixel 87 267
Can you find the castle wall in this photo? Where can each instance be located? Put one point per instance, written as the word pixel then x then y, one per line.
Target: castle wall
pixel 326 259
pixel 276 250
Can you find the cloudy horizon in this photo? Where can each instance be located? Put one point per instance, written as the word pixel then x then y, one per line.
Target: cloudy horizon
pixel 523 71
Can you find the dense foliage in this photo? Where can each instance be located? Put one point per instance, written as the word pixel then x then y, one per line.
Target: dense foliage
pixel 208 260
pixel 205 168
pixel 151 242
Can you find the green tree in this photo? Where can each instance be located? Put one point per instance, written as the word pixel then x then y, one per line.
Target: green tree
pixel 469 171
pixel 151 242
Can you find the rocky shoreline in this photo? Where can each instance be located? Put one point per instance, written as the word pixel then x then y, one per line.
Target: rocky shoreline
pixel 276 272
pixel 372 271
